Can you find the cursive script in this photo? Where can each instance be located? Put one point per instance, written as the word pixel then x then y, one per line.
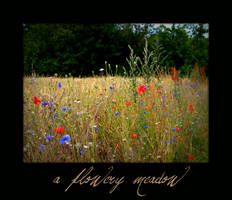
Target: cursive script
pixel 84 177
pixel 171 181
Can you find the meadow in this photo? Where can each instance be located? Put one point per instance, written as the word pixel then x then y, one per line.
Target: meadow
pixel 104 119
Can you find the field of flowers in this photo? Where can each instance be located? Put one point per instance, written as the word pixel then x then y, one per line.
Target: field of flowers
pixel 101 119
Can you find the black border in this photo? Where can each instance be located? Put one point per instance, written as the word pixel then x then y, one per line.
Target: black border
pixel 37 177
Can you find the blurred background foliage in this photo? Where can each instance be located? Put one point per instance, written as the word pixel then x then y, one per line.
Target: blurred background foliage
pixel 82 49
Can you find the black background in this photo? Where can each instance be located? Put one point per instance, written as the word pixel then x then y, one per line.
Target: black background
pixel 36 180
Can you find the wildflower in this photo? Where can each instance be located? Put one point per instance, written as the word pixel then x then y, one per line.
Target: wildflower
pixel 59 130
pixel 116 160
pixel 166 141
pixel 63 109
pixel 32 80
pixel 141 89
pixel 172 140
pixel 134 136
pixel 190 157
pixel 101 69
pixel 59 84
pixel 117 145
pixel 162 96
pixel 144 112
pixel 124 139
pixel 44 103
pixel 127 103
pixel 36 100
pixel 96 103
pixel 64 139
pixel 142 102
pixel 49 137
pixel 114 108
pixel 158 91
pixel 180 139
pixel 86 147
pixel 145 126
pixel 159 156
pixel 131 153
pixel 76 101
pixel 96 128
pixel 55 116
pixel 111 88
pixel 177 129
pixel 191 107
pixel 41 147
pixel 116 113
pixel 66 115
pixel 81 152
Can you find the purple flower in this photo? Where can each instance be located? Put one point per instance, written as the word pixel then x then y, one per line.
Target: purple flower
pixel 41 147
pixel 49 137
pixel 111 88
pixel 81 152
pixel 59 84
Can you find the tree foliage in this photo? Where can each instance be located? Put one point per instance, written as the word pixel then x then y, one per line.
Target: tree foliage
pixel 80 49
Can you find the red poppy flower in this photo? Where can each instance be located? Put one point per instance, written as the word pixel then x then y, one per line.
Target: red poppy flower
pixel 59 130
pixel 190 157
pixel 141 89
pixel 127 103
pixel 180 139
pixel 66 115
pixel 36 100
pixel 191 107
pixel 177 128
pixel 134 136
pixel 117 144
pixel 114 108
pixel 158 91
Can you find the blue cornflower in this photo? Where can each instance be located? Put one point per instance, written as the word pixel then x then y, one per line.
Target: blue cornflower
pixel 165 114
pixel 175 158
pixel 172 140
pixel 131 153
pixel 63 109
pixel 111 88
pixel 49 137
pixel 145 126
pixel 65 138
pixel 166 141
pixel 59 84
pixel 195 119
pixel 96 103
pixel 162 96
pixel 81 152
pixel 96 128
pixel 116 113
pixel 55 116
pixel 116 160
pixel 41 147
pixel 144 112
pixel 44 103
pixel 173 129
pixel 142 102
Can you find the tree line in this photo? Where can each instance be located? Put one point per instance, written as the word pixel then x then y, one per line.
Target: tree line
pixel 82 49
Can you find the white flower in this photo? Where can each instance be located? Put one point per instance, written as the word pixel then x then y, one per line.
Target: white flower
pixel 158 156
pixel 90 143
pixel 101 69
pixel 86 147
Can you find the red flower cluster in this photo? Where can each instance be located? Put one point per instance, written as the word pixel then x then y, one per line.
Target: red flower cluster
pixel 141 89
pixel 127 103
pixel 191 107
pixel 180 139
pixel 134 136
pixel 36 100
pixel 59 130
pixel 158 91
pixel 190 157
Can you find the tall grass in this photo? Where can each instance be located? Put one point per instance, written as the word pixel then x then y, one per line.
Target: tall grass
pixel 141 132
